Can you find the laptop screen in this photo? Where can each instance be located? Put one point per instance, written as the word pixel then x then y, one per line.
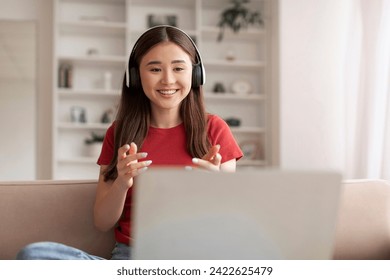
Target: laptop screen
pixel 250 214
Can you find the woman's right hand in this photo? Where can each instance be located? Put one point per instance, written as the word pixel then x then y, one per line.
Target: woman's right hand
pixel 128 165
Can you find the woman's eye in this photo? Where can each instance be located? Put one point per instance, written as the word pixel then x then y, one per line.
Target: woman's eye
pixel 178 69
pixel 155 69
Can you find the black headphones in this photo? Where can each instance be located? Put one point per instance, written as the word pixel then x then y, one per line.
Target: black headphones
pixel 133 79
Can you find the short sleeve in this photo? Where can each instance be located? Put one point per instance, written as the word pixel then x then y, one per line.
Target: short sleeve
pixel 219 133
pixel 108 147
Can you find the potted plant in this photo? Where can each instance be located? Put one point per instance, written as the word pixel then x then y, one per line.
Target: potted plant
pixel 94 144
pixel 238 16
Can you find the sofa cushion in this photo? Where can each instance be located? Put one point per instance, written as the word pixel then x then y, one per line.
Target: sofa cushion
pixel 59 211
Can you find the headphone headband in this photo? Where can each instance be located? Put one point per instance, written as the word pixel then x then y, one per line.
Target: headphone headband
pixel 132 74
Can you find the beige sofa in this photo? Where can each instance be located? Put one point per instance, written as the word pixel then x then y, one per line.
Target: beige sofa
pixel 59 211
pixel 62 211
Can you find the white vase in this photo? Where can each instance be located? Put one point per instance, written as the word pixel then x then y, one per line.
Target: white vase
pixel 94 149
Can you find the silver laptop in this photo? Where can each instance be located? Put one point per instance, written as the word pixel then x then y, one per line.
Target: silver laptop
pixel 250 214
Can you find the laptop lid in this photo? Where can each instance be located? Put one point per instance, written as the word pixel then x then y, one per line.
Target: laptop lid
pixel 250 214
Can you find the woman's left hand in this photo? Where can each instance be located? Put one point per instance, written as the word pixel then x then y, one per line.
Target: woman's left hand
pixel 210 161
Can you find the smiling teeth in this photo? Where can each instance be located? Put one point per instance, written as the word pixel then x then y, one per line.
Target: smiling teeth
pixel 168 92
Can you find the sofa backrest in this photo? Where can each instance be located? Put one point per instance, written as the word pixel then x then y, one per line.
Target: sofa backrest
pixel 59 211
pixel 363 228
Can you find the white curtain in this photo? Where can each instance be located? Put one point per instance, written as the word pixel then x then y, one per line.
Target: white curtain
pixel 367 85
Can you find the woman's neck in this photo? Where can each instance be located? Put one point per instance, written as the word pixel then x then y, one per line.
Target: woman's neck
pixel 165 119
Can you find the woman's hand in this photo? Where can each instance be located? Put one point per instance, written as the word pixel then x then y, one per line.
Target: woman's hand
pixel 128 166
pixel 210 161
pixel 111 196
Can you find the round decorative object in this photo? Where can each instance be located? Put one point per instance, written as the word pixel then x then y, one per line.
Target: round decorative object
pixel 251 149
pixel 241 87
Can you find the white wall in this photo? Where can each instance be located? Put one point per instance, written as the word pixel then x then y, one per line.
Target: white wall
pixel 312 53
pixel 38 12
pixel 18 90
pixel 18 9
pixel 18 126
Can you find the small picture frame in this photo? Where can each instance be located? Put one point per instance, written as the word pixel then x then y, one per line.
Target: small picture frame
pixel 250 149
pixel 154 20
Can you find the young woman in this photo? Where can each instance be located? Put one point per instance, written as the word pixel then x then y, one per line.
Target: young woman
pixel 161 121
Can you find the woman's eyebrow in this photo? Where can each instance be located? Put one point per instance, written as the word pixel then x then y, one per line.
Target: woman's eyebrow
pixel 159 62
pixel 153 62
pixel 178 61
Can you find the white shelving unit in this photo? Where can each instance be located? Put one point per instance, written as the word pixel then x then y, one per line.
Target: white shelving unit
pixel 95 37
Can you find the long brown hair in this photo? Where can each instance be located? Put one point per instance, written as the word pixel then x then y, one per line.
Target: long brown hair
pixel 134 112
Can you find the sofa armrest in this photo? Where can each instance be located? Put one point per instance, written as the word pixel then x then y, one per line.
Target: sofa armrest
pixel 364 220
pixel 59 211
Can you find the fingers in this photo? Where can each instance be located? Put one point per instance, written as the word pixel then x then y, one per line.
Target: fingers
pixel 210 161
pixel 128 153
pixel 122 151
pixel 128 160
pixel 217 159
pixel 211 153
pixel 133 148
pixel 214 164
pixel 127 149
pixel 138 168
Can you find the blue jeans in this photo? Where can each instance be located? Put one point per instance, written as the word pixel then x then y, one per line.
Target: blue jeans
pixel 58 251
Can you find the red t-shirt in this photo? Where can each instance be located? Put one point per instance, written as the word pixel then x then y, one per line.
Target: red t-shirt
pixel 167 147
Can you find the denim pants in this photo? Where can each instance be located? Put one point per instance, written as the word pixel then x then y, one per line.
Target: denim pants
pixel 58 251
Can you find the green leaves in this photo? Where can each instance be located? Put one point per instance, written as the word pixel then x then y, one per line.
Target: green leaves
pixel 94 138
pixel 237 17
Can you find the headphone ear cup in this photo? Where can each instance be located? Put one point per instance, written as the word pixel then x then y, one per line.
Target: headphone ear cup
pixel 197 76
pixel 135 80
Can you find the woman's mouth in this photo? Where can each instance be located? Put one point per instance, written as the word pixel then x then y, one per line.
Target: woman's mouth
pixel 167 91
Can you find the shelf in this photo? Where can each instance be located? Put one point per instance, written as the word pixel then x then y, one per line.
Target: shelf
pixel 71 93
pixel 94 59
pixel 93 24
pixel 234 63
pixel 93 27
pixel 136 32
pixel 212 32
pixel 234 97
pixel 247 129
pixel 121 2
pixel 87 160
pixel 83 126
pixel 155 4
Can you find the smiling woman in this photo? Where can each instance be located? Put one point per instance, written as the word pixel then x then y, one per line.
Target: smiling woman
pixel 17 100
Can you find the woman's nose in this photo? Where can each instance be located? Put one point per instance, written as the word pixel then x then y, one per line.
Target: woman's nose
pixel 168 77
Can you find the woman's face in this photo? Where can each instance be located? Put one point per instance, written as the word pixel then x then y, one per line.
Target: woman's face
pixel 166 73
